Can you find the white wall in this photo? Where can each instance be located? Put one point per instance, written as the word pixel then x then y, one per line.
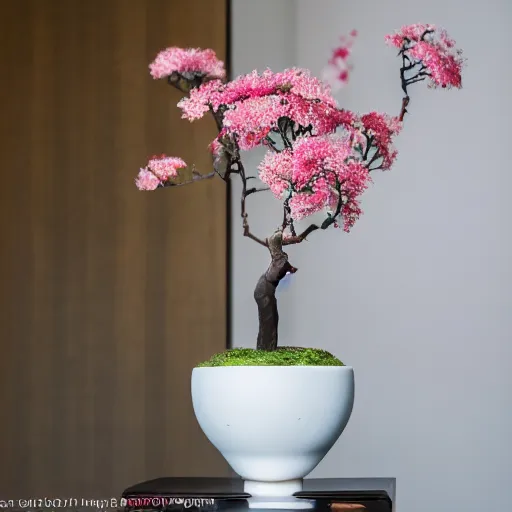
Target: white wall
pixel 418 297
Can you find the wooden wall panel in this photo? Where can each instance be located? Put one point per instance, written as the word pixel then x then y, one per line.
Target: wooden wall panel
pixel 108 296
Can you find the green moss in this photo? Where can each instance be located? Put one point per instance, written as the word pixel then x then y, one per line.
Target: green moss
pixel 283 356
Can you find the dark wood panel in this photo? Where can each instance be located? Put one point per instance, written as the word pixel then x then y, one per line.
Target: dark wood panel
pixel 109 296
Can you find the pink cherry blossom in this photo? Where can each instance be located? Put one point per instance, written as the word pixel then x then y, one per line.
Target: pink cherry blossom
pixel 197 104
pixel 146 180
pixel 445 39
pixel 307 86
pixel 313 156
pixel 321 116
pixel 255 85
pixel 444 67
pixel 435 49
pixel 394 40
pixel 304 204
pixel 338 68
pixel 276 171
pixel 353 179
pixel 295 80
pixel 356 180
pixel 345 118
pixel 417 30
pixel 316 166
pixel 187 60
pixel 410 33
pixel 165 167
pixel 215 147
pixel 314 174
pixel 253 119
pixel 351 211
pixel 382 128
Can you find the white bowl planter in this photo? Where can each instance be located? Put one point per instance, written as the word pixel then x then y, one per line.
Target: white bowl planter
pixel 273 424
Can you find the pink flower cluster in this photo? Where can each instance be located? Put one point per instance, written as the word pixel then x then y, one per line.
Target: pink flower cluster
pixel 409 33
pixel 255 85
pixel 336 73
pixel 187 60
pixel 146 180
pixel 433 48
pixel 254 103
pixel 201 99
pixel 159 170
pixel 275 171
pixel 294 114
pixel 381 128
pixel 319 173
pixel 254 118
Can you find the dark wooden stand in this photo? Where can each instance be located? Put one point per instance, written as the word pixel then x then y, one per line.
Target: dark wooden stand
pixel 227 494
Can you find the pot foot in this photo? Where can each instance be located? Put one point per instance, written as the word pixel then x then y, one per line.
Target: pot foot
pixel 284 488
pixel 276 495
pixel 280 503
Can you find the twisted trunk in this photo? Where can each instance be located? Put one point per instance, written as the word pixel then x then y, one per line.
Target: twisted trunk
pixel 265 293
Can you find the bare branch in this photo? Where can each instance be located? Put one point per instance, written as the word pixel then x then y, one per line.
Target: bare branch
pixel 369 142
pixel 271 144
pixel 300 238
pixel 243 212
pixel 196 176
pixel 413 81
pixel 282 125
pixel 429 31
pixel 403 111
pixel 185 82
pixel 254 190
pixel 376 156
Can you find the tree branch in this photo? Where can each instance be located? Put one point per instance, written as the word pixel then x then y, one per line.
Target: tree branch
pixel 271 144
pixel 415 80
pixel 282 125
pixel 243 212
pixel 195 177
pixel 376 156
pixel 331 219
pixel 369 142
pixel 300 238
pixel 254 190
pixel 407 65
pixel 425 34
pixel 287 217
pixel 185 82
pixel 403 111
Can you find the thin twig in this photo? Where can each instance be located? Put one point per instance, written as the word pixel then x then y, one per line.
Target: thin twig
pixel 413 81
pixel 254 190
pixel 243 212
pixel 369 142
pixel 195 177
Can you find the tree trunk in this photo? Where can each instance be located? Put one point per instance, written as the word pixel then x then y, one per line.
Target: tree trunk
pixel 265 293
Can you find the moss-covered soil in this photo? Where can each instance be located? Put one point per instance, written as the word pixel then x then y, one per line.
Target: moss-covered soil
pixel 283 356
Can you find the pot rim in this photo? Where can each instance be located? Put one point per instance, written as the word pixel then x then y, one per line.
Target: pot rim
pixel 276 367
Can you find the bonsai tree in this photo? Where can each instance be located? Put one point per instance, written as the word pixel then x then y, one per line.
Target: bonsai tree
pixel 320 157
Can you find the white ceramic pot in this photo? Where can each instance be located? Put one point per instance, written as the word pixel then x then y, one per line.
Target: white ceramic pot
pixel 273 424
